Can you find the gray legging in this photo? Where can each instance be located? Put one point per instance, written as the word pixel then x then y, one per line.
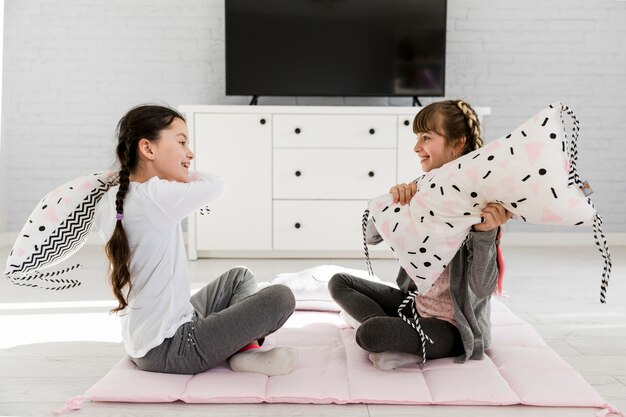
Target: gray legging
pixel 375 306
pixel 229 314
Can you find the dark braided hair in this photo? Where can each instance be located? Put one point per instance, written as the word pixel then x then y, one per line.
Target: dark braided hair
pixel 452 119
pixel 142 122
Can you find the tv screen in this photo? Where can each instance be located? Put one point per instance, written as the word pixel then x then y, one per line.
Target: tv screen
pixel 335 47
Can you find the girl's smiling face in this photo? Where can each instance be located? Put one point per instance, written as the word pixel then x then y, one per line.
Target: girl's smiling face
pixel 172 156
pixel 433 150
pixel 432 146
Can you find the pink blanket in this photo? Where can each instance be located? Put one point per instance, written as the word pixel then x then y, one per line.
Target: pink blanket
pixel 519 369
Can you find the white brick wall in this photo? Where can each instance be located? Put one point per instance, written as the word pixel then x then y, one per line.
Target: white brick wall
pixel 3 188
pixel 73 67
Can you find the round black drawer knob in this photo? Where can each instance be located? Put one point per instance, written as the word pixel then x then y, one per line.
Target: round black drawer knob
pixel 371 173
pixel 262 121
pixel 372 131
pixel 298 173
pixel 297 130
pixel 297 225
pixel 406 122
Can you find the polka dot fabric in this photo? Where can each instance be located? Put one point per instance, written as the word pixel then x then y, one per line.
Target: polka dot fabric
pixel 531 172
pixel 55 230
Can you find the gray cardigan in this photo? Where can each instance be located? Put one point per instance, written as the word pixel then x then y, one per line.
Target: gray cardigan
pixel 473 278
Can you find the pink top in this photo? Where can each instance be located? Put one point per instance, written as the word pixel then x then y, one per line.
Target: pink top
pixel 437 301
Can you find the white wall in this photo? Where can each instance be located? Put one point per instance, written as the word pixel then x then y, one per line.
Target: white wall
pixel 72 68
pixel 3 164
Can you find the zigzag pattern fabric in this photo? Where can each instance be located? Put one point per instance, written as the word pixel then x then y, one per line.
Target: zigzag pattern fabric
pixel 56 229
pixel 37 279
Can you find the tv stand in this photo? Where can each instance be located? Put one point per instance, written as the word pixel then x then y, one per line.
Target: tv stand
pixel 254 101
pixel 416 102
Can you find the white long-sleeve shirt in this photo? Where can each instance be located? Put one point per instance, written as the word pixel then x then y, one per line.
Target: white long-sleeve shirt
pixel 159 301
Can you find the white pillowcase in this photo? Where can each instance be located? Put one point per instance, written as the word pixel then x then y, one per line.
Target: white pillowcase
pixel 531 172
pixel 55 230
pixel 310 286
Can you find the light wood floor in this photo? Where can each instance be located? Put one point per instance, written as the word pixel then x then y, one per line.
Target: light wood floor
pixel 56 345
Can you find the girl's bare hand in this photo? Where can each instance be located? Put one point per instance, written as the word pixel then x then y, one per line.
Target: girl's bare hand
pixel 402 193
pixel 493 215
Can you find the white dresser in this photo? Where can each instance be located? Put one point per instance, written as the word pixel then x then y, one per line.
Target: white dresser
pixel 298 177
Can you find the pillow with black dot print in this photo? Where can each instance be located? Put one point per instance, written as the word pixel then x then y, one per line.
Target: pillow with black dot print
pixel 55 230
pixel 531 172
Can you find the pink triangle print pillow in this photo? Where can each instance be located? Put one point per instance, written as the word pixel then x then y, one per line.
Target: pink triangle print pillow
pixel 531 172
pixel 55 230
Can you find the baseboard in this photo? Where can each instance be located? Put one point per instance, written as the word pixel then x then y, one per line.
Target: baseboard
pixel 7 239
pixel 509 239
pixel 293 254
pixel 560 239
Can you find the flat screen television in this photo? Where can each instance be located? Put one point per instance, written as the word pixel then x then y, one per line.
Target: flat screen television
pixel 335 47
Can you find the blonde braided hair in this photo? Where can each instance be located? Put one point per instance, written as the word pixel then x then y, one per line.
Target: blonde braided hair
pixel 473 124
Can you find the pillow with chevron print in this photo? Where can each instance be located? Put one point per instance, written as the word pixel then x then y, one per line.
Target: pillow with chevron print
pixel 55 230
pixel 531 172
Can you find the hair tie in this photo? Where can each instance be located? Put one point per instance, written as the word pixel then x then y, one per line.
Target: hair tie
pixel 119 216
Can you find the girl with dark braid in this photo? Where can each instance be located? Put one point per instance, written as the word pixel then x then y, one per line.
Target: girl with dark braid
pixel 164 330
pixel 455 313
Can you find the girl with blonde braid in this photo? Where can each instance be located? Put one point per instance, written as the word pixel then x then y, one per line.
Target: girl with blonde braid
pixel 163 329
pixel 455 313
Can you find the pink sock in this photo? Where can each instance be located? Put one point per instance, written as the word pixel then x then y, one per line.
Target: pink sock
pixel 249 346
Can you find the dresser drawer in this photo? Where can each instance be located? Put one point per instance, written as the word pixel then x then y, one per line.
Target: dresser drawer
pixel 320 225
pixel 334 131
pixel 333 173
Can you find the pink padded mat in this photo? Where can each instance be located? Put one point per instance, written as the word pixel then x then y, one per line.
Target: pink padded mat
pixel 519 369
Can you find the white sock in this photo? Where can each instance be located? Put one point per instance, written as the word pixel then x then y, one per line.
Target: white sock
pixel 386 361
pixel 276 361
